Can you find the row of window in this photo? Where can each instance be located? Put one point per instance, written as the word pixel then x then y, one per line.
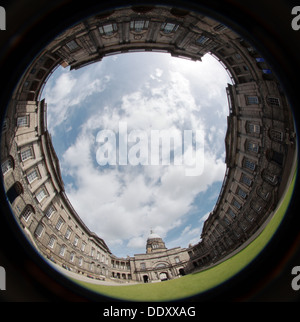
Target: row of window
pixel 59 224
pixel 272 179
pixel 253 128
pixel 139 26
pixel 39 232
pixel 254 100
pixel 26 214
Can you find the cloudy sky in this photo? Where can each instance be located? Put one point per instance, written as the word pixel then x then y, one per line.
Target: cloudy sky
pixel 147 92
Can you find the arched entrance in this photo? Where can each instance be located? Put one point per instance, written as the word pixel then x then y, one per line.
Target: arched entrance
pixel 163 276
pixel 181 272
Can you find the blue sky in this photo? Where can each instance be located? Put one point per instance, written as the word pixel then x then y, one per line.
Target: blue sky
pixel 147 91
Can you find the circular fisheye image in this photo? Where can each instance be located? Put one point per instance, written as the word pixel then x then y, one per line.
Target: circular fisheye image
pixel 149 153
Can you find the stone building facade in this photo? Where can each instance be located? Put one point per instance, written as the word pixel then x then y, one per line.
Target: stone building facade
pixel 158 264
pixel 260 144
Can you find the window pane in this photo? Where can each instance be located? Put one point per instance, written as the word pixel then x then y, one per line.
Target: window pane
pixel 6 166
pixel 59 224
pixel 39 230
pixel 168 27
pixel 252 147
pixel 41 195
pixel 202 40
pixel 22 121
pixel 236 204
pixel 27 213
pixel 50 211
pixel 246 180
pixel 72 45
pixel 253 128
pixel 273 101
pixel 32 176
pixel 242 193
pixel 252 100
pixel 249 164
pixel 108 29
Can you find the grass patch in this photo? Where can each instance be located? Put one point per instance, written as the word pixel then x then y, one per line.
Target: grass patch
pixel 197 283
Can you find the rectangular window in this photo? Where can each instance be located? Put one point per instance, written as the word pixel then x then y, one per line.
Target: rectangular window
pixel 72 256
pixel 242 193
pixel 51 242
pixel 62 250
pixel 168 27
pixel 23 121
pixel 267 71
pixel 249 164
pixel 49 211
pixel 253 128
pixel 139 25
pixel 237 204
pixel 83 247
pixel 202 40
pixel 276 135
pixel 273 101
pixel 108 29
pixel 59 224
pixel 33 175
pixel 246 180
pixel 231 213
pixel 252 100
pixel 41 195
pixel 68 233
pixel 220 27
pixel 227 221
pixel 26 154
pixel 252 146
pixel 39 230
pixel 72 45
pixel 76 239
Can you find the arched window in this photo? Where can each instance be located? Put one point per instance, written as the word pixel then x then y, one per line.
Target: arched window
pixel 27 212
pixel 160 265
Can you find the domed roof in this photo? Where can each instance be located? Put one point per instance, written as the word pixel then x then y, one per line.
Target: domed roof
pixel 153 235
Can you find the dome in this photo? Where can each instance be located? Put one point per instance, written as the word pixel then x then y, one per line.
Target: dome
pixel 153 235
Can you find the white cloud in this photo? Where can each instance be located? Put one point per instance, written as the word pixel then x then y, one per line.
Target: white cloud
pixel 69 91
pixel 121 204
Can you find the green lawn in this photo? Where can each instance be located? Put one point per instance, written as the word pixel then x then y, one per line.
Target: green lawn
pixel 193 284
